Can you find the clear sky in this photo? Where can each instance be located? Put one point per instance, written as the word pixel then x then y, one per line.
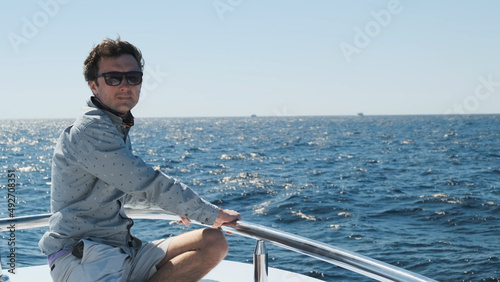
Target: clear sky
pixel 263 57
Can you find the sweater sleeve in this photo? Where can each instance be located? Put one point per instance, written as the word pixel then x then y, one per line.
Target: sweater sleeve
pixel 104 154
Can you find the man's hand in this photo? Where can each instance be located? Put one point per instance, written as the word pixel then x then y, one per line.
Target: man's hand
pixel 184 220
pixel 226 217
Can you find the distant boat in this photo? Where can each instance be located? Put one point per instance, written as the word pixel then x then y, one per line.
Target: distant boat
pixel 253 116
pixel 361 114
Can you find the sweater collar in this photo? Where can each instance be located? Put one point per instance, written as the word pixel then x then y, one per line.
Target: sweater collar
pixel 127 119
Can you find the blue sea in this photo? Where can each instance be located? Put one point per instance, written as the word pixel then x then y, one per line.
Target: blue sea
pixel 418 192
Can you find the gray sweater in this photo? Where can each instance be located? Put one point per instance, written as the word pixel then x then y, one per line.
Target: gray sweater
pixel 94 173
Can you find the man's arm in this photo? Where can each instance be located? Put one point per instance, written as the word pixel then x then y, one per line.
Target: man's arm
pixel 225 217
pixel 101 152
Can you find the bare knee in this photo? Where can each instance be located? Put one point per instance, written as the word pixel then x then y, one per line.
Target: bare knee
pixel 216 242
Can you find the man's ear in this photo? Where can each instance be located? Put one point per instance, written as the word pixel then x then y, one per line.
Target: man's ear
pixel 93 86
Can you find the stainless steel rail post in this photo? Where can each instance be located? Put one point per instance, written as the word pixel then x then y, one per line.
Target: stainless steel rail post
pixel 260 273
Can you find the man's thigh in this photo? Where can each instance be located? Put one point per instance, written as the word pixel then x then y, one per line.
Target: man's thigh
pixel 190 241
pixel 147 258
pixel 184 243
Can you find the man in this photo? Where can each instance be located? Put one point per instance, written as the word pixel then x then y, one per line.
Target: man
pixel 94 174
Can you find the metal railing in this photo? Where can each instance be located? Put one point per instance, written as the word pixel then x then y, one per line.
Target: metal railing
pixel 346 259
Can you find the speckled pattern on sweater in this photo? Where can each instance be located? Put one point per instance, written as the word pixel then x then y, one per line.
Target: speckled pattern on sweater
pixel 94 174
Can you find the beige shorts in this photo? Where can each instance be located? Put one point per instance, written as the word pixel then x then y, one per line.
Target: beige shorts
pixel 106 263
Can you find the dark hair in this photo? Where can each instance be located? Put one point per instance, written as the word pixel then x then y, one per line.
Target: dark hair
pixel 109 48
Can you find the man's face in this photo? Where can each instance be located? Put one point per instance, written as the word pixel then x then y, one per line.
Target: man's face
pixel 121 98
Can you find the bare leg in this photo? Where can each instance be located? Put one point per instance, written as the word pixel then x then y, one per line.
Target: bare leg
pixel 192 255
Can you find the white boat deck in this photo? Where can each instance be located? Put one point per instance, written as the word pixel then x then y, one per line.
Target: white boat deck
pixel 226 271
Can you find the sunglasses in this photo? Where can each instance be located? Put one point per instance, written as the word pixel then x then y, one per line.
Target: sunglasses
pixel 114 78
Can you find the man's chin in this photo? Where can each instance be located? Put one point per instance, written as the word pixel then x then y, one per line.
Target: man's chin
pixel 124 108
